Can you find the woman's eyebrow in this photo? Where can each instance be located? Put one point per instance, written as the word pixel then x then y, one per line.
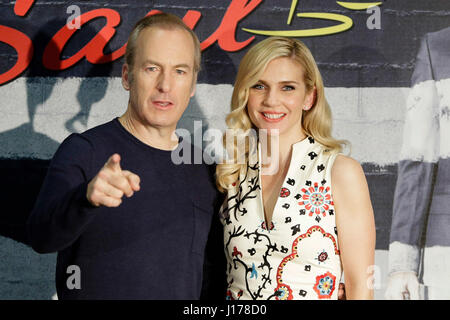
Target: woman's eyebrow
pixel 281 82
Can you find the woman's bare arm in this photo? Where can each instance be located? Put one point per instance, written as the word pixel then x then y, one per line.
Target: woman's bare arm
pixel 355 225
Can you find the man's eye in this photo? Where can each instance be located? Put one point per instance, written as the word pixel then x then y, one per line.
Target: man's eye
pixel 152 68
pixel 288 88
pixel 180 71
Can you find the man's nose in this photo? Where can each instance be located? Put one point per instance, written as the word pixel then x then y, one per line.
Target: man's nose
pixel 164 82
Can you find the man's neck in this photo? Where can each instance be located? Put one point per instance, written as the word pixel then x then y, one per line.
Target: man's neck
pixel 159 138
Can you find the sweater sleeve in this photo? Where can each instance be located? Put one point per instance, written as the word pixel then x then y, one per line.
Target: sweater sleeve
pixel 214 269
pixel 62 210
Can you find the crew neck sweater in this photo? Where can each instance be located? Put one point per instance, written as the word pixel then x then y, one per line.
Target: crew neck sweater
pixel 151 246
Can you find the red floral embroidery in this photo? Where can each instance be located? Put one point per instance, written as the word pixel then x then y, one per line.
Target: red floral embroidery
pixel 316 199
pixel 325 285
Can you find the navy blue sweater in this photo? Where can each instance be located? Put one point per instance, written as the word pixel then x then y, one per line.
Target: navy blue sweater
pixel 151 246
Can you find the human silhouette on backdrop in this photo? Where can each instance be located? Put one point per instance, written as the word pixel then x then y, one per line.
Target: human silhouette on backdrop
pixel 25 150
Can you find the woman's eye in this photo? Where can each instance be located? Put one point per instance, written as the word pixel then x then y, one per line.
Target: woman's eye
pixel 258 86
pixel 288 88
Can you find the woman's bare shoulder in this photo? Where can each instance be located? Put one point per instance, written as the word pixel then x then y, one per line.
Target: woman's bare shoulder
pixel 346 170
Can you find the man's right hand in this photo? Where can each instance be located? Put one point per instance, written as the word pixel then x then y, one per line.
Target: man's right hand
pixel 402 285
pixel 111 183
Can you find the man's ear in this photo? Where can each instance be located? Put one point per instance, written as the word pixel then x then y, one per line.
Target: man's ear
pixel 194 84
pixel 126 77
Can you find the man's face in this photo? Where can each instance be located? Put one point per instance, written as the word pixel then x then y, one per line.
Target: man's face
pixel 163 77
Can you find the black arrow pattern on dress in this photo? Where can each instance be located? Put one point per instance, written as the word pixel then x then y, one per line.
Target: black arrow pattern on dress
pixel 295 229
pixel 312 155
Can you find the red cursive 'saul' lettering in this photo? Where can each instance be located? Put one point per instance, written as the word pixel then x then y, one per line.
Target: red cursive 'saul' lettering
pixel 22 6
pixel 93 50
pixel 225 34
pixel 24 47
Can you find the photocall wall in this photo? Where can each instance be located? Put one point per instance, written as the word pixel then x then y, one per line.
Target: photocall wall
pixel 60 71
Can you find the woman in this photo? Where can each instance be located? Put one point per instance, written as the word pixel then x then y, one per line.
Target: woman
pixel 282 217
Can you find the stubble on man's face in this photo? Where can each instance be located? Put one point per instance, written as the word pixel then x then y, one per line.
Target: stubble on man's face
pixel 162 77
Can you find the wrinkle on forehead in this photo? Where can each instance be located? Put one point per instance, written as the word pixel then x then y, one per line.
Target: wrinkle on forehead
pixel 174 46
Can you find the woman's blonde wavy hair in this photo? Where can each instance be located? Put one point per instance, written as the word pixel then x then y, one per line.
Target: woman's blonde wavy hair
pixel 316 122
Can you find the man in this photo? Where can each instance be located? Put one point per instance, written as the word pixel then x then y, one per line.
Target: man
pixel 422 195
pixel 138 233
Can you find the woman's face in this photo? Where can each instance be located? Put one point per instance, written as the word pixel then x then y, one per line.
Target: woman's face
pixel 277 100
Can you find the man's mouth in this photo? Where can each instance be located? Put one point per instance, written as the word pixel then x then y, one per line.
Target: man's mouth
pixel 161 104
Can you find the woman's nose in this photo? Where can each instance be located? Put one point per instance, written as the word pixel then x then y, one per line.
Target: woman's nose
pixel 271 98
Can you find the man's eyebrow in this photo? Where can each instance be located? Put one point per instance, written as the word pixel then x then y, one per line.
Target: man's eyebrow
pixel 148 61
pixel 181 65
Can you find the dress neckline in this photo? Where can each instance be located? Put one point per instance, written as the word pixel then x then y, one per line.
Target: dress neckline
pixel 296 149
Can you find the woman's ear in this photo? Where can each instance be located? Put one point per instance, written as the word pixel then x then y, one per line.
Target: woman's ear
pixel 310 99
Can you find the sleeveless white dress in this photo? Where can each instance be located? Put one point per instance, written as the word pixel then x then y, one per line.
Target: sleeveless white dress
pixel 296 256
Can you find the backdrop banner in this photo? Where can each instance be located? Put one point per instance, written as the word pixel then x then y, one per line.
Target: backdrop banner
pixel 60 72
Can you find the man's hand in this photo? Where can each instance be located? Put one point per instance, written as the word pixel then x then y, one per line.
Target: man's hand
pixel 402 286
pixel 111 183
